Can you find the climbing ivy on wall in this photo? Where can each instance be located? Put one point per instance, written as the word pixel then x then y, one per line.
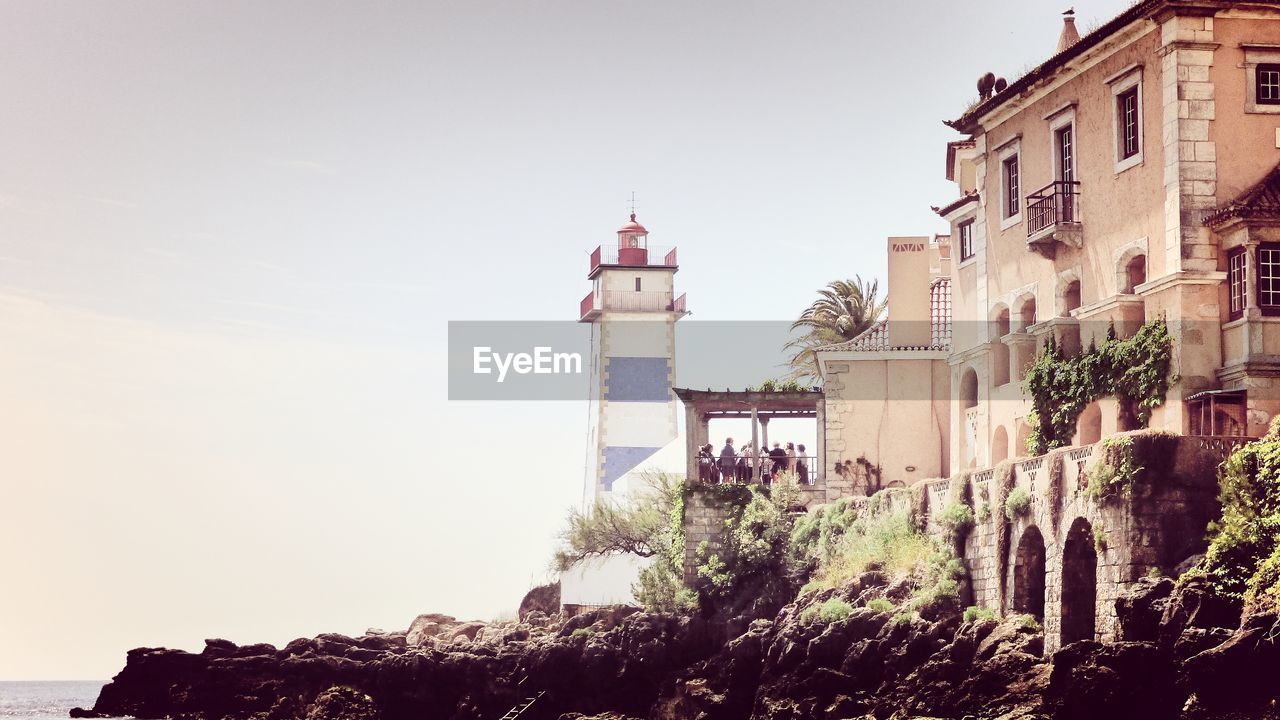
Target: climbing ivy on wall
pixel 1135 370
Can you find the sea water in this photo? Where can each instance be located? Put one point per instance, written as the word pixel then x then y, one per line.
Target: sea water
pixel 46 700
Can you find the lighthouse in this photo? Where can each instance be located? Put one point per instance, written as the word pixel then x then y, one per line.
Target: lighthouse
pixel 632 309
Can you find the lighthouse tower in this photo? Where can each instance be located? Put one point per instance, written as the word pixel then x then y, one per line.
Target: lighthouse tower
pixel 632 308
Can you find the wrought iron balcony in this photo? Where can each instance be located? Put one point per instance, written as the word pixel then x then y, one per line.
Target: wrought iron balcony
pixel 1053 216
pixel 645 256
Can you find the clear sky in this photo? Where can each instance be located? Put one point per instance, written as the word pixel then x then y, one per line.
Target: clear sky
pixel 232 233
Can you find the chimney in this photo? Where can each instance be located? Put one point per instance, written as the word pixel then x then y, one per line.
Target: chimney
pixel 1070 36
pixel 909 291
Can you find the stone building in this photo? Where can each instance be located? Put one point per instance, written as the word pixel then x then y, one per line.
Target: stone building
pixel 1129 177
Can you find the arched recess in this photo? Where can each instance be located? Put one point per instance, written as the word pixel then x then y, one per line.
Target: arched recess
pixel 1070 298
pixel 1079 584
pixel 1029 574
pixel 1024 434
pixel 999 351
pixel 1027 312
pixel 968 418
pixel 1131 273
pixel 999 445
pixel 1089 425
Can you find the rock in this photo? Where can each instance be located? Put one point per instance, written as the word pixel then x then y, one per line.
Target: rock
pixel 465 631
pixel 544 599
pixel 428 626
pixel 1140 611
pixel 342 703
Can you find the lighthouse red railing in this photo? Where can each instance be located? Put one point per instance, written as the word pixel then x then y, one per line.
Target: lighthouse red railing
pixel 677 305
pixel 587 305
pixel 633 256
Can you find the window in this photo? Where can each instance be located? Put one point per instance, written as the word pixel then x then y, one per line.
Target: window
pixel 1269 278
pixel 1012 197
pixel 637 284
pixel 1267 84
pixel 1236 282
pixel 965 230
pixel 1128 123
pixel 1066 154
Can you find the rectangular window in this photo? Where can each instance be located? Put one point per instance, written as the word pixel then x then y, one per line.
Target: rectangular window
pixel 965 231
pixel 1012 199
pixel 637 284
pixel 1066 154
pixel 1128 122
pixel 1267 89
pixel 1237 282
pixel 1269 278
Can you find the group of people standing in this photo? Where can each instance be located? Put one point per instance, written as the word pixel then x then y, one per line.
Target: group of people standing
pixel 738 465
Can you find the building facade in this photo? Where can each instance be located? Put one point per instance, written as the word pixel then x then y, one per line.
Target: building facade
pixel 1125 179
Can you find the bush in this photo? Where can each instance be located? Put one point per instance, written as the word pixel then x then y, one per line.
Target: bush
pixel 1017 504
pixel 880 605
pixel 1029 622
pixel 886 541
pixel 974 613
pixel 956 520
pixel 1127 460
pixel 834 610
pixel 1242 562
pixel 582 632
pixel 754 565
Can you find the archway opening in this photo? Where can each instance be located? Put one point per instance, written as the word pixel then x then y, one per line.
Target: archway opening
pixel 1070 297
pixel 1079 583
pixel 1027 313
pixel 1089 426
pixel 1135 273
pixel 999 445
pixel 1029 574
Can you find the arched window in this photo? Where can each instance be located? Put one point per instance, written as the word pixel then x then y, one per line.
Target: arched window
pixel 969 417
pixel 1070 298
pixel 1133 274
pixel 968 389
pixel 1027 313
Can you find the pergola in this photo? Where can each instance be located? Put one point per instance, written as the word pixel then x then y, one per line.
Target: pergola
pixel 703 406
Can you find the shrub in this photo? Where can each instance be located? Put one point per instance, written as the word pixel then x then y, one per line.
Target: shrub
pixel 582 632
pixel 1029 622
pixel 1243 559
pixel 834 610
pixel 753 566
pixel 1127 460
pixel 1099 538
pixel 956 521
pixel 886 541
pixel 1017 504
pixel 973 613
pixel 880 605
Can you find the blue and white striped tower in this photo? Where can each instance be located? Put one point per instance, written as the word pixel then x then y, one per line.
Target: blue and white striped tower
pixel 633 310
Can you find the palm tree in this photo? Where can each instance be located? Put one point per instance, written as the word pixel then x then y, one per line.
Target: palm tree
pixel 844 309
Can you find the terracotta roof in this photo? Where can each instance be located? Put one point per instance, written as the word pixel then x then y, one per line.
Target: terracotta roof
pixel 963 200
pixel 967 123
pixel 876 337
pixel 1260 202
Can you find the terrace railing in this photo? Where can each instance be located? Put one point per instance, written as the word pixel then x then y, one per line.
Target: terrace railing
pixel 1056 203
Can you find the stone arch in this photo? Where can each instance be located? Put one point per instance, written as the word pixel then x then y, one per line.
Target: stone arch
pixel 1026 311
pixel 1029 574
pixel 1067 293
pixel 1079 584
pixel 999 445
pixel 968 389
pixel 1089 425
pixel 1131 271
pixel 999 350
pixel 1024 434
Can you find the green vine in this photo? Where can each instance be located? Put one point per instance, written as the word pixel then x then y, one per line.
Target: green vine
pixel 1125 460
pixel 1135 370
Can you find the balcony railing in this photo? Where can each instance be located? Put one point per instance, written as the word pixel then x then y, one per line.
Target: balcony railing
pixel 651 256
pixel 630 301
pixel 1052 205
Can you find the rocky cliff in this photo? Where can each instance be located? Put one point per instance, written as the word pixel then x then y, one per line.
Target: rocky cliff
pixel 1182 655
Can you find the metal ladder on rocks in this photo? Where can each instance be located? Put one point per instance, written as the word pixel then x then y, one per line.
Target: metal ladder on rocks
pixel 522 706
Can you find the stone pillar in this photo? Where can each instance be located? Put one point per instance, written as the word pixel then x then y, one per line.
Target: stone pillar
pixel 1190 157
pixel 693 440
